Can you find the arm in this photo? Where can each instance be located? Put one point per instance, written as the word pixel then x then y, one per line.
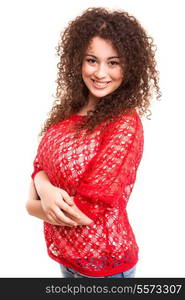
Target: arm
pixel 57 205
pixel 33 205
pixel 112 171
pixel 110 174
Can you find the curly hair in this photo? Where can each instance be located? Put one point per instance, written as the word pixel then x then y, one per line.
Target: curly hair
pixel 137 52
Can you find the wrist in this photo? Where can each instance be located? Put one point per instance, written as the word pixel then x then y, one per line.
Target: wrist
pixel 42 183
pixel 43 188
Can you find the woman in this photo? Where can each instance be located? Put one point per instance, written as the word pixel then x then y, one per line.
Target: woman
pixel 92 144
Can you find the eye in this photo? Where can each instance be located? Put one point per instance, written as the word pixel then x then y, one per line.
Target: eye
pixel 91 60
pixel 114 63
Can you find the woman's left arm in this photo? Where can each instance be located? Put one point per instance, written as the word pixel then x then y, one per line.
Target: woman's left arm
pixel 34 207
pixel 112 171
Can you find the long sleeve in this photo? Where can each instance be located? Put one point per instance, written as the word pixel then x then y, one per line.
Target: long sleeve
pixel 112 172
pixel 38 160
pixel 37 167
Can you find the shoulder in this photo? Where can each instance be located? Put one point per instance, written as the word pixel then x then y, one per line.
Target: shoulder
pixel 124 126
pixel 125 121
pixel 49 132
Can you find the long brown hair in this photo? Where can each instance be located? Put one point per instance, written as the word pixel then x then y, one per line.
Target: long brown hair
pixel 137 52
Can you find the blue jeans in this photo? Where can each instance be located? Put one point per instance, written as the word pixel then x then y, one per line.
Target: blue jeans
pixel 70 273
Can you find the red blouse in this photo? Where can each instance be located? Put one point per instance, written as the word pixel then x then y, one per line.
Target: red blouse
pixel 99 170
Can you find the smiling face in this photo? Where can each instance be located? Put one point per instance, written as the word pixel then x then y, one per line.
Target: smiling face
pixel 101 68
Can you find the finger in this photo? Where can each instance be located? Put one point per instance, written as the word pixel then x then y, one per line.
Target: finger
pixel 67 198
pixel 57 217
pixel 66 208
pixel 71 217
pixel 61 216
pixel 56 221
pixel 52 219
pixel 52 216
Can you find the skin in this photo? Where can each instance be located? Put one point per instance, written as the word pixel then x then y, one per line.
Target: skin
pixel 34 206
pixel 52 204
pixel 100 64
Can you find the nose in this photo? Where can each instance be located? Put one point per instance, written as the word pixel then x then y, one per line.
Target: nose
pixel 101 71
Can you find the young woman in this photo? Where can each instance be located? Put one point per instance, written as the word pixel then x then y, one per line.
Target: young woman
pixel 92 144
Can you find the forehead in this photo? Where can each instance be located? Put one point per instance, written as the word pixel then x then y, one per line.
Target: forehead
pixel 101 47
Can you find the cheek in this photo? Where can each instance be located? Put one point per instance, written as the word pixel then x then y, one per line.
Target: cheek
pixel 116 77
pixel 86 70
pixel 119 75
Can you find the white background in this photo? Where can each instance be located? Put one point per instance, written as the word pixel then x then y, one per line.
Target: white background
pixel 29 34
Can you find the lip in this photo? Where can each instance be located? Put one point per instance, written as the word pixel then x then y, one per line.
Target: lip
pixel 104 84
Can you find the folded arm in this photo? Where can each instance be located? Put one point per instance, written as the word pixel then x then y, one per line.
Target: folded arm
pixel 108 174
pixel 111 173
pixel 56 206
pixel 33 205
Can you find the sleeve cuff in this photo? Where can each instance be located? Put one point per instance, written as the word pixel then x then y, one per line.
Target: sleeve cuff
pixel 35 172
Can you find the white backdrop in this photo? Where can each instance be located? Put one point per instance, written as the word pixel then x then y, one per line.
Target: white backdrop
pixel 29 34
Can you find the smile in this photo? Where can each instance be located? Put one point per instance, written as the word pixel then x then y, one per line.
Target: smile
pixel 100 85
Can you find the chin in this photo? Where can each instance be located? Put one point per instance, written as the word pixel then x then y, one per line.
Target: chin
pixel 99 94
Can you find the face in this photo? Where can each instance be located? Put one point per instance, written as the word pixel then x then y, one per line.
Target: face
pixel 101 68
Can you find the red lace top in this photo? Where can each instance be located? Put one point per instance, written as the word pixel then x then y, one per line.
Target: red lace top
pixel 99 170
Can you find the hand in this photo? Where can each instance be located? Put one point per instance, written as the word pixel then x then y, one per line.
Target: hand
pixel 60 208
pixel 34 207
pixel 55 203
pixel 82 219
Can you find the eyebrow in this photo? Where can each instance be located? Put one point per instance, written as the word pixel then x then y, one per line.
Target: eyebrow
pixel 107 58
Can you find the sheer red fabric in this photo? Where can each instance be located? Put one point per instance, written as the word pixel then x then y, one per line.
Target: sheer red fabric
pixel 99 170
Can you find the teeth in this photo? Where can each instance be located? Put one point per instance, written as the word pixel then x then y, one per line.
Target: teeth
pixel 100 84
